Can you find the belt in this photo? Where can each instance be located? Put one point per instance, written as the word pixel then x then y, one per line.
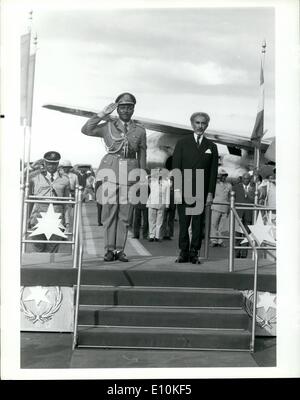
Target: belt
pixel 130 156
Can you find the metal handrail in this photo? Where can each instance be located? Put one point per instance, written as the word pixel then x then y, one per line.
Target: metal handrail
pixel 48 197
pixel 50 201
pixel 79 255
pixel 235 217
pixel 237 206
pixel 252 343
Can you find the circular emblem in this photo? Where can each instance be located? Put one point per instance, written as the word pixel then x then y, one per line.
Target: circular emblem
pixel 40 303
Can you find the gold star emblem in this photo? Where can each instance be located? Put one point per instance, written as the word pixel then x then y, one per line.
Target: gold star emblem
pixel 261 232
pixel 38 294
pixel 49 224
pixel 266 300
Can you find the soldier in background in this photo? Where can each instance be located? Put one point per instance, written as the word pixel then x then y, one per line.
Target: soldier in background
pixel 219 212
pixel 73 178
pixel 53 184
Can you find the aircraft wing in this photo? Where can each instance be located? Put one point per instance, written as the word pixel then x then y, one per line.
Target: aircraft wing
pixel 233 142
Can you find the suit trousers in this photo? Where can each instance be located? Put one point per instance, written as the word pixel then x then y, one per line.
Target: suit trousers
pixel 115 218
pixel 156 217
pixel 197 224
pixel 168 223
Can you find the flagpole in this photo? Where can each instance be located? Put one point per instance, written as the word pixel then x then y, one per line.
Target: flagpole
pixel 27 133
pixel 258 144
pixel 24 122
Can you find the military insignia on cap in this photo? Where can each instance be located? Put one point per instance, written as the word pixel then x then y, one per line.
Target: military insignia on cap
pixel 52 156
pixel 126 98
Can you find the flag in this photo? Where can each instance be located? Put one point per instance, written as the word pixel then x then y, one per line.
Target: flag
pixel 27 79
pixel 258 130
pixel 25 53
pixel 270 153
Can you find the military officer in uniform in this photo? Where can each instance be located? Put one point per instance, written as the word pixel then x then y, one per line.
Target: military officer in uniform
pixel 125 141
pixel 52 184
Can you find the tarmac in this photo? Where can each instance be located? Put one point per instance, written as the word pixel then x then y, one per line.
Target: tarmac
pixel 54 350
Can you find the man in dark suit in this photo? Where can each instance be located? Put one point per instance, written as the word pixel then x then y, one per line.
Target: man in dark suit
pixel 244 193
pixel 194 152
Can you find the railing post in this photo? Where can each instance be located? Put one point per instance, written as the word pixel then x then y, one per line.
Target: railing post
pixel 231 232
pixel 79 259
pixel 255 213
pixel 22 188
pixel 252 344
pixel 207 229
pixel 255 205
pixel 25 217
pixel 75 212
pixel 76 239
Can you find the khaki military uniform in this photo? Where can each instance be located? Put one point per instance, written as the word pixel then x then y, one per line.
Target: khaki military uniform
pixel 126 150
pixel 40 185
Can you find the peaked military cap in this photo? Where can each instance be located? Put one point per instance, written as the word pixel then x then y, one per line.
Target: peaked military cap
pixel 52 156
pixel 126 98
pixel 222 171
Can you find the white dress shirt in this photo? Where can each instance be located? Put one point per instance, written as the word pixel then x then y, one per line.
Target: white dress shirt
pixel 55 175
pixel 196 137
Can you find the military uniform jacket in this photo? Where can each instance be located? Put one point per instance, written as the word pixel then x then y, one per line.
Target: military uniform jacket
pixel 187 155
pixel 39 185
pixel 122 148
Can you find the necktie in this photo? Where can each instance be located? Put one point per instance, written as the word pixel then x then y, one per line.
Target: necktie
pixel 52 177
pixel 198 140
pixel 126 140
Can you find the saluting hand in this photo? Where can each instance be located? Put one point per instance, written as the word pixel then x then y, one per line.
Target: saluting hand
pixel 107 110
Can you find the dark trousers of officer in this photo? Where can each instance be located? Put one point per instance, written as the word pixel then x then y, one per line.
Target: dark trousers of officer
pixel 140 213
pixel 99 205
pixel 168 222
pixel 99 213
pixel 115 218
pixel 197 223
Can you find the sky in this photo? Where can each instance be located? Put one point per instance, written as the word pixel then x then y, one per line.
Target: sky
pixel 175 61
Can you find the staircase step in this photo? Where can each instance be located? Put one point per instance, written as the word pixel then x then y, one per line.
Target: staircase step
pixel 164 317
pixel 168 338
pixel 168 278
pixel 148 296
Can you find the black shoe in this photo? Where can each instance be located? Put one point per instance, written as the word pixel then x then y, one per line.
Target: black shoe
pixel 182 258
pixel 100 224
pixel 157 240
pixel 135 237
pixel 121 256
pixel 194 257
pixel 109 256
pixel 151 239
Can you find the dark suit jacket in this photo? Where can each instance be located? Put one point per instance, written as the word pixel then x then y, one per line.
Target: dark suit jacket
pixel 187 155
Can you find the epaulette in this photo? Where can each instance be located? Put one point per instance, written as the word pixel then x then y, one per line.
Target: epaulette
pixel 140 125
